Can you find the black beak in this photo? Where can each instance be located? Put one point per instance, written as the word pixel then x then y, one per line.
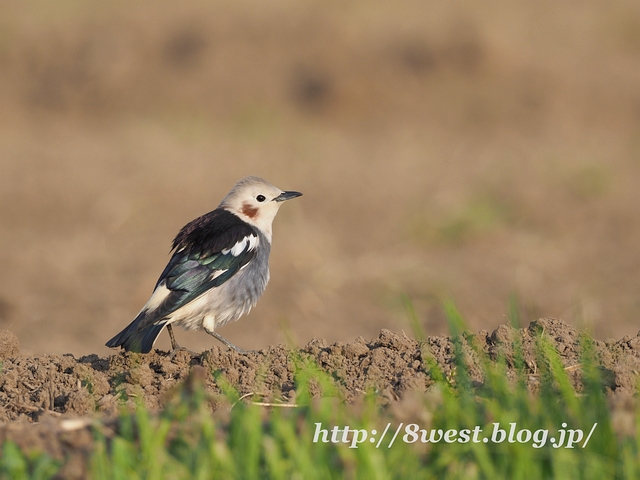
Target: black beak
pixel 286 196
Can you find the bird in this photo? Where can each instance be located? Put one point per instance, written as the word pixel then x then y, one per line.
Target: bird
pixel 218 270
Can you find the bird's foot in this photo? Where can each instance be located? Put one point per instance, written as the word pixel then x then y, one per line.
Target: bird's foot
pixel 175 348
pixel 178 348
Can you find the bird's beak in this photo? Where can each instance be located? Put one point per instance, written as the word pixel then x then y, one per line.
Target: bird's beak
pixel 286 196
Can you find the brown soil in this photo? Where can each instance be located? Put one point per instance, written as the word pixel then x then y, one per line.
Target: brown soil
pixel 49 402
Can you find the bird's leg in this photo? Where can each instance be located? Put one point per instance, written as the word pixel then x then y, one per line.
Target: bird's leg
pixel 227 342
pixel 224 340
pixel 174 345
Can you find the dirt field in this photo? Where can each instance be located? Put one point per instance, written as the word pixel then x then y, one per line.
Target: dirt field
pixel 65 395
pixel 31 388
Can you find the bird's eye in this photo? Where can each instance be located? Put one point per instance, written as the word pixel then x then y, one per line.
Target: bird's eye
pixel 261 198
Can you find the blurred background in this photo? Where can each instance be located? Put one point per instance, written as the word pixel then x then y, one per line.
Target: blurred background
pixel 473 151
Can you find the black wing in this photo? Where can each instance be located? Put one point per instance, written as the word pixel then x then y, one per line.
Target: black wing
pixel 207 252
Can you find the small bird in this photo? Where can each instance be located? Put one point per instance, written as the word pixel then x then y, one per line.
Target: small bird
pixel 218 270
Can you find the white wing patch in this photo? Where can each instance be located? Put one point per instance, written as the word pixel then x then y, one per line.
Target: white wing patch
pixel 217 273
pixel 248 243
pixel 158 296
pixel 253 242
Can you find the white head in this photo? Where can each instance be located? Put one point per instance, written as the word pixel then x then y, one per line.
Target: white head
pixel 256 202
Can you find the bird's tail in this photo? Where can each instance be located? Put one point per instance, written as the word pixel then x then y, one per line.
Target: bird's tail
pixel 135 339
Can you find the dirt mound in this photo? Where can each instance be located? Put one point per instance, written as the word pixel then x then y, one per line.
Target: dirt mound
pixel 40 389
pixel 31 387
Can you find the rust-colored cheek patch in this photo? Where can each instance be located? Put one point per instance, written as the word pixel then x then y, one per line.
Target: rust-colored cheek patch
pixel 249 211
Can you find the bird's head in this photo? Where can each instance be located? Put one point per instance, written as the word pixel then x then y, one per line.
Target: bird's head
pixel 256 202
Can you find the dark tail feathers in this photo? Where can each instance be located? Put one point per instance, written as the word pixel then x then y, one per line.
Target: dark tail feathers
pixel 133 339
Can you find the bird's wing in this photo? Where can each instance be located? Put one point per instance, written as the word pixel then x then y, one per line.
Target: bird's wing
pixel 197 268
